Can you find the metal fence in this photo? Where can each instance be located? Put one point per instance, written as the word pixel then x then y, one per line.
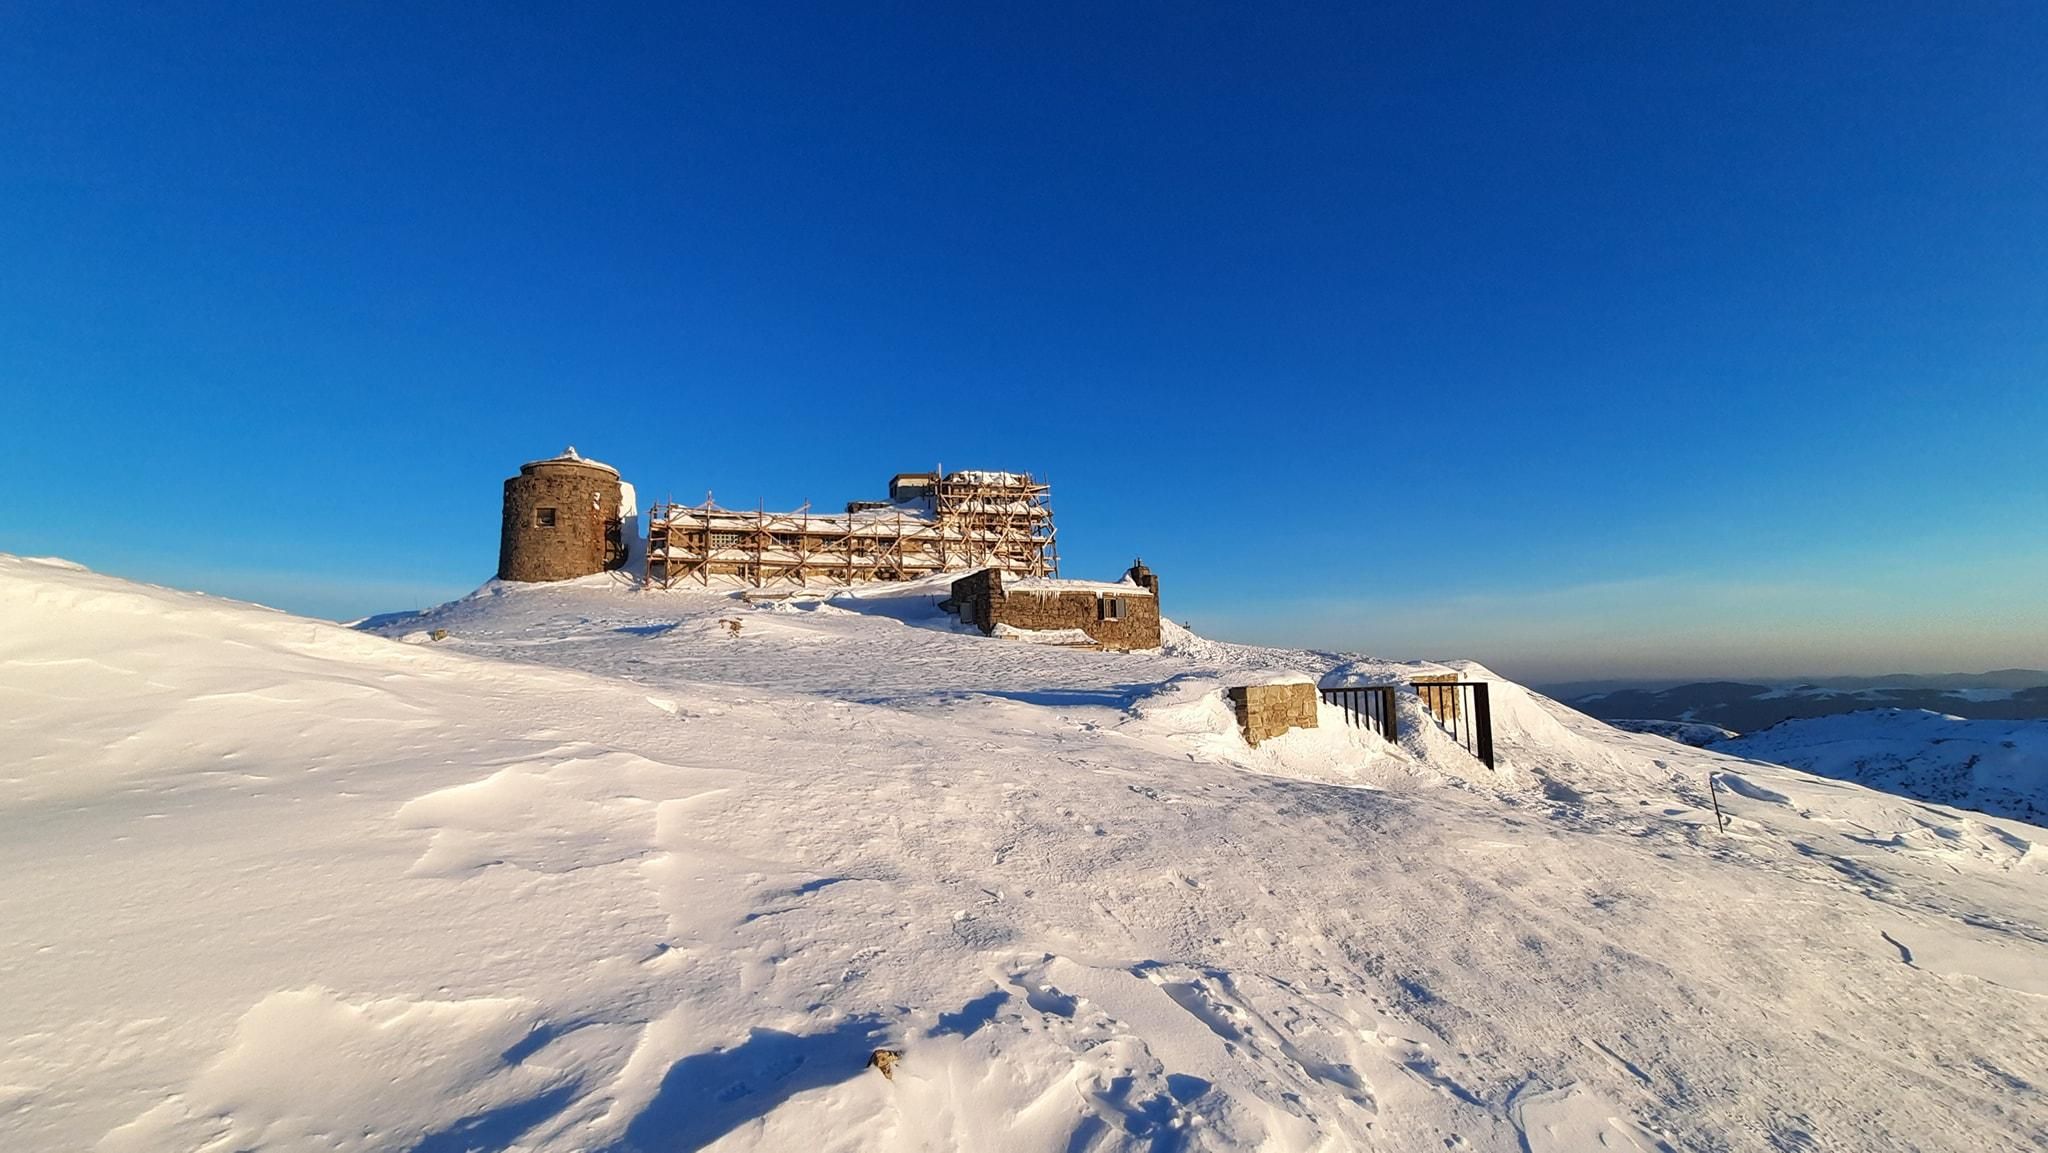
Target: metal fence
pixel 1367 707
pixel 1464 711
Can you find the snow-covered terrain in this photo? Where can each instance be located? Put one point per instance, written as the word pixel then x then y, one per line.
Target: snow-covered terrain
pixel 1684 732
pixel 623 870
pixel 1999 767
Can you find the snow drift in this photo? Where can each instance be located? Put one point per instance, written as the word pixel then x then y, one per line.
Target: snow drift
pixel 601 871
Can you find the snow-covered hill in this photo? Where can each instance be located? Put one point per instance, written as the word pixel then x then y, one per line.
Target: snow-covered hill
pixel 1998 767
pixel 1684 732
pixel 603 871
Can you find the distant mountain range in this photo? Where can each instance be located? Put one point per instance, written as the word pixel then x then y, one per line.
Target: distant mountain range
pixel 1995 679
pixel 1745 707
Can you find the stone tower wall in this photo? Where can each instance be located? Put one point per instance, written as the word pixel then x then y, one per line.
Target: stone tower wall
pixel 587 535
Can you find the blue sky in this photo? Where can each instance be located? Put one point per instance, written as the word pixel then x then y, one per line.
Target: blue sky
pixel 1588 340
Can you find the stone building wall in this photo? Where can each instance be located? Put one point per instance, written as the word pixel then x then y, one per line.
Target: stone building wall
pixel 984 602
pixel 1080 609
pixel 587 535
pixel 1266 711
pixel 977 596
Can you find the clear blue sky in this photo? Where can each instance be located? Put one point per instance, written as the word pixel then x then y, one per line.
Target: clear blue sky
pixel 1613 339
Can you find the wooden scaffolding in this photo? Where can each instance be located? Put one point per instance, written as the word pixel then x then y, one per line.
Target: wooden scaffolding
pixel 956 522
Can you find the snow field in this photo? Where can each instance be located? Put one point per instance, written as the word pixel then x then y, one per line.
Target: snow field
pixel 2000 767
pixel 600 872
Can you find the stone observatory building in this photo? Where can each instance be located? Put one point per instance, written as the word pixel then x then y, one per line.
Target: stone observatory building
pixel 565 517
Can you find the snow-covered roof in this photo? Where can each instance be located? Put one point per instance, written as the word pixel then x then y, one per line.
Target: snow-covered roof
pixel 1047 585
pixel 983 476
pixel 571 456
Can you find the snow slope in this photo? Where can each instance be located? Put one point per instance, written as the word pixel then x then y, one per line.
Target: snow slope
pixel 1999 767
pixel 602 871
pixel 1684 732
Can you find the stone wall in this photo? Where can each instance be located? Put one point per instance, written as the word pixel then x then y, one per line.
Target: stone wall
pixel 587 535
pixel 982 601
pixel 975 597
pixel 1447 702
pixel 1081 609
pixel 1265 711
pixel 1138 574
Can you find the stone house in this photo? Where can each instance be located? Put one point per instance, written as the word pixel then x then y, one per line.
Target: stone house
pixel 1121 615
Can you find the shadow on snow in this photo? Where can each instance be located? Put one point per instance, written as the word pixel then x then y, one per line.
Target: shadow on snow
pixel 706 1095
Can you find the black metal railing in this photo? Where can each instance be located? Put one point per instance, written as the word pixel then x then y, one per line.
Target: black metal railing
pixel 1367 707
pixel 1464 711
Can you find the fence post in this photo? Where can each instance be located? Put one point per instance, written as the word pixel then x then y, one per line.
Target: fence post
pixel 1367 707
pixel 1482 720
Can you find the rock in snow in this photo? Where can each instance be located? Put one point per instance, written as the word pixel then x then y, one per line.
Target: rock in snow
pixel 598 873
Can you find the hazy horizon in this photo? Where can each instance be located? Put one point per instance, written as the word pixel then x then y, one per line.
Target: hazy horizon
pixel 343 601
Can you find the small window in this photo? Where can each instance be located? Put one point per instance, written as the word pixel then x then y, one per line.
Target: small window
pixel 543 518
pixel 725 540
pixel 1110 608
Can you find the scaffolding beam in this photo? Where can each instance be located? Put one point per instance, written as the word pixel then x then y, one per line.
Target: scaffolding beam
pixel 957 522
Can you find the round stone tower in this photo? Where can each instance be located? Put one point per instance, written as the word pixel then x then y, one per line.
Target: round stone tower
pixel 561 520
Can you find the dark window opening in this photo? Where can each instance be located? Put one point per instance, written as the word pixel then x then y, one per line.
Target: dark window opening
pixel 1110 608
pixel 543 518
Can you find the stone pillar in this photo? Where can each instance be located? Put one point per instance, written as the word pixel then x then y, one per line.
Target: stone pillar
pixel 1265 711
pixel 1447 701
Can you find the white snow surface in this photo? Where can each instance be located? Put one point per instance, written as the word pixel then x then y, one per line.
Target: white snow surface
pixel 1684 732
pixel 602 872
pixel 1043 636
pixel 569 455
pixel 1999 767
